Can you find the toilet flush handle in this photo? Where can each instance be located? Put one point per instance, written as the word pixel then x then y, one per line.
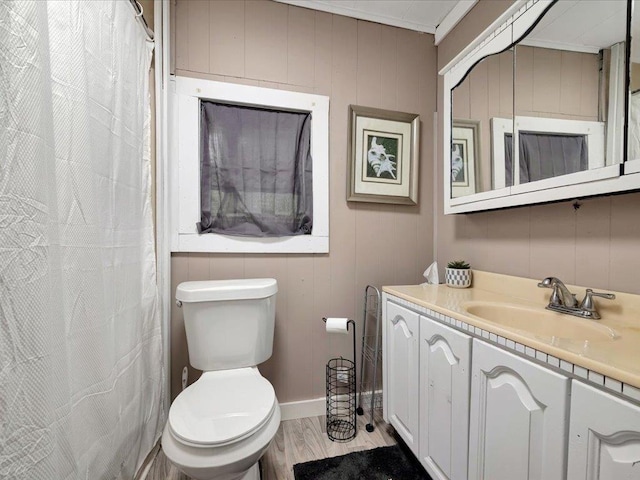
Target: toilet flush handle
pixel 179 303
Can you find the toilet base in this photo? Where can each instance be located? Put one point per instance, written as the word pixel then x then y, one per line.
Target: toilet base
pixel 253 473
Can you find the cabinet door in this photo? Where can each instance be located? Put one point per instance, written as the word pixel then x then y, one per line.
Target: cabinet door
pixel 445 360
pixel 518 418
pixel 402 376
pixel 604 436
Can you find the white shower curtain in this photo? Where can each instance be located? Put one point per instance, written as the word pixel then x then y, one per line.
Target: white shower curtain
pixel 81 377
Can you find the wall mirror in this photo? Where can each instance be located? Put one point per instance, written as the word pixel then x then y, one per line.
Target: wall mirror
pixel 485 94
pixel 632 165
pixel 535 107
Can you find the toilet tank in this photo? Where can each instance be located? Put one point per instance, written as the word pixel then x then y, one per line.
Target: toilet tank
pixel 229 323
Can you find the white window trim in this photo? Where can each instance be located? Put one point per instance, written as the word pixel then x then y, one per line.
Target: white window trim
pixel 185 166
pixel 499 126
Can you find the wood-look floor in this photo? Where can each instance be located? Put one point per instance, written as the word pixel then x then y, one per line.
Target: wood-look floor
pixel 297 441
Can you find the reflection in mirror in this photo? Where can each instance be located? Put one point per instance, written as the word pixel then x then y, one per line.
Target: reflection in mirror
pixel 566 135
pixel 568 106
pixel 633 133
pixel 485 93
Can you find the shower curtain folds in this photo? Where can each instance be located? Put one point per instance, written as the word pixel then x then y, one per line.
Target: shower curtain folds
pixel 81 377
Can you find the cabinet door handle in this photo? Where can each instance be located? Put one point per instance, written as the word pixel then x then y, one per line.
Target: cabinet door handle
pixel 405 328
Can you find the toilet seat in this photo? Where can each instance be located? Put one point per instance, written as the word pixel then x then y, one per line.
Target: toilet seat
pixel 222 407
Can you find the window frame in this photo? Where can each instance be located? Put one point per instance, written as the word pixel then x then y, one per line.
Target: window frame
pixel 184 113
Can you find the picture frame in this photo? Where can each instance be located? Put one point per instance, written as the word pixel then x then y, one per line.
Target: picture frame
pixel 383 156
pixel 465 150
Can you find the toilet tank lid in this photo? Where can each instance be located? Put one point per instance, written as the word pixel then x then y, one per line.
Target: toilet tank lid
pixel 217 290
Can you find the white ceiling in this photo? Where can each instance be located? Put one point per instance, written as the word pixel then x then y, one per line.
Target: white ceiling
pixel 578 25
pixel 586 26
pixel 421 15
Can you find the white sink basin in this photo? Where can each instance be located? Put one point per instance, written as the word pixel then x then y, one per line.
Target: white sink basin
pixel 549 326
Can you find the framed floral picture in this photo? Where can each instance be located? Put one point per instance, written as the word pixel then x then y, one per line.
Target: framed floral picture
pixel 383 156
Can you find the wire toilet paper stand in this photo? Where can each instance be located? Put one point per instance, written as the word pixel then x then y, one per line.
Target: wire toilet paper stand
pixel 341 395
pixel 370 355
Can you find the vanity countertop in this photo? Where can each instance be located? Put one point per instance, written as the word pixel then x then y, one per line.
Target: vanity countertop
pixel 617 358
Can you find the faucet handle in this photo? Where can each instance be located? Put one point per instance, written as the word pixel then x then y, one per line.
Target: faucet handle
pixel 555 297
pixel 587 301
pixel 550 282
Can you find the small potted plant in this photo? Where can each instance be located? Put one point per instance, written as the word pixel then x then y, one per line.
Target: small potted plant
pixel 458 274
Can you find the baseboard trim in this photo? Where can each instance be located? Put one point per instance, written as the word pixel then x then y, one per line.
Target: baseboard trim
pixel 316 406
pixel 303 408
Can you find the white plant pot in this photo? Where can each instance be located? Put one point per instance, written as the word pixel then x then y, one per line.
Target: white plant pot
pixel 458 277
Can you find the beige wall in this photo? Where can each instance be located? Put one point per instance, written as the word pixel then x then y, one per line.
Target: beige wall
pixel 475 22
pixel 147 12
pixel 595 245
pixel 274 45
pixel 556 83
pixel 635 77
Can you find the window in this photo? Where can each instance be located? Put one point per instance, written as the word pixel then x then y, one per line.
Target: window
pixel 546 155
pixel 192 96
pixel 255 171
pixel 581 145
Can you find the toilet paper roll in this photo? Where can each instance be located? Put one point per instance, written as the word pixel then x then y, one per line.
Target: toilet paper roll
pixel 337 325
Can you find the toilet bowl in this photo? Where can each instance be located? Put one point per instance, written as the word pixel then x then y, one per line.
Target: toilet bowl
pixel 220 426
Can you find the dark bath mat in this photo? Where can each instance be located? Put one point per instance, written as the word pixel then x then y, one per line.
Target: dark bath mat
pixel 384 463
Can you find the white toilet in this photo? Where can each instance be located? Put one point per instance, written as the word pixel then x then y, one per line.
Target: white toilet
pixel 220 426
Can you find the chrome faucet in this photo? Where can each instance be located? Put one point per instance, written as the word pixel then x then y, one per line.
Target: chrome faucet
pixel 563 301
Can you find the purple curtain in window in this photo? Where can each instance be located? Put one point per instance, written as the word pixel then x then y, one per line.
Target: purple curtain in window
pixel 255 171
pixel 546 155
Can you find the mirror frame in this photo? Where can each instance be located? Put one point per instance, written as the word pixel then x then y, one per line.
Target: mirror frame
pixel 504 33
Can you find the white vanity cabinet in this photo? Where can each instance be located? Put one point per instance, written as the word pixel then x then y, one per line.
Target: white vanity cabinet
pixel 604 436
pixel 518 418
pixel 402 363
pixel 427 383
pixel 445 363
pixel 471 410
